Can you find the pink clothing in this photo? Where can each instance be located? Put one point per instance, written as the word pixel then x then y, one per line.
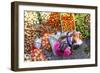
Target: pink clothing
pixel 57 50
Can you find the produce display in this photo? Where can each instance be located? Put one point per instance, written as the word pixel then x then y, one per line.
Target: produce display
pixel 37 54
pixel 43 30
pixel 68 22
pixel 82 22
pixel 54 21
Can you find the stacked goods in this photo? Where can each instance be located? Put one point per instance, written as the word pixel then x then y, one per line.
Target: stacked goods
pixel 30 20
pixel 28 37
pixel 45 42
pixel 31 17
pixel 37 54
pixel 54 21
pixel 44 33
pixel 44 28
pixel 82 21
pixel 45 16
pixel 67 22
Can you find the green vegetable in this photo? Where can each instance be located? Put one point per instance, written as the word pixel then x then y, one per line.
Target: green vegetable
pixel 82 22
